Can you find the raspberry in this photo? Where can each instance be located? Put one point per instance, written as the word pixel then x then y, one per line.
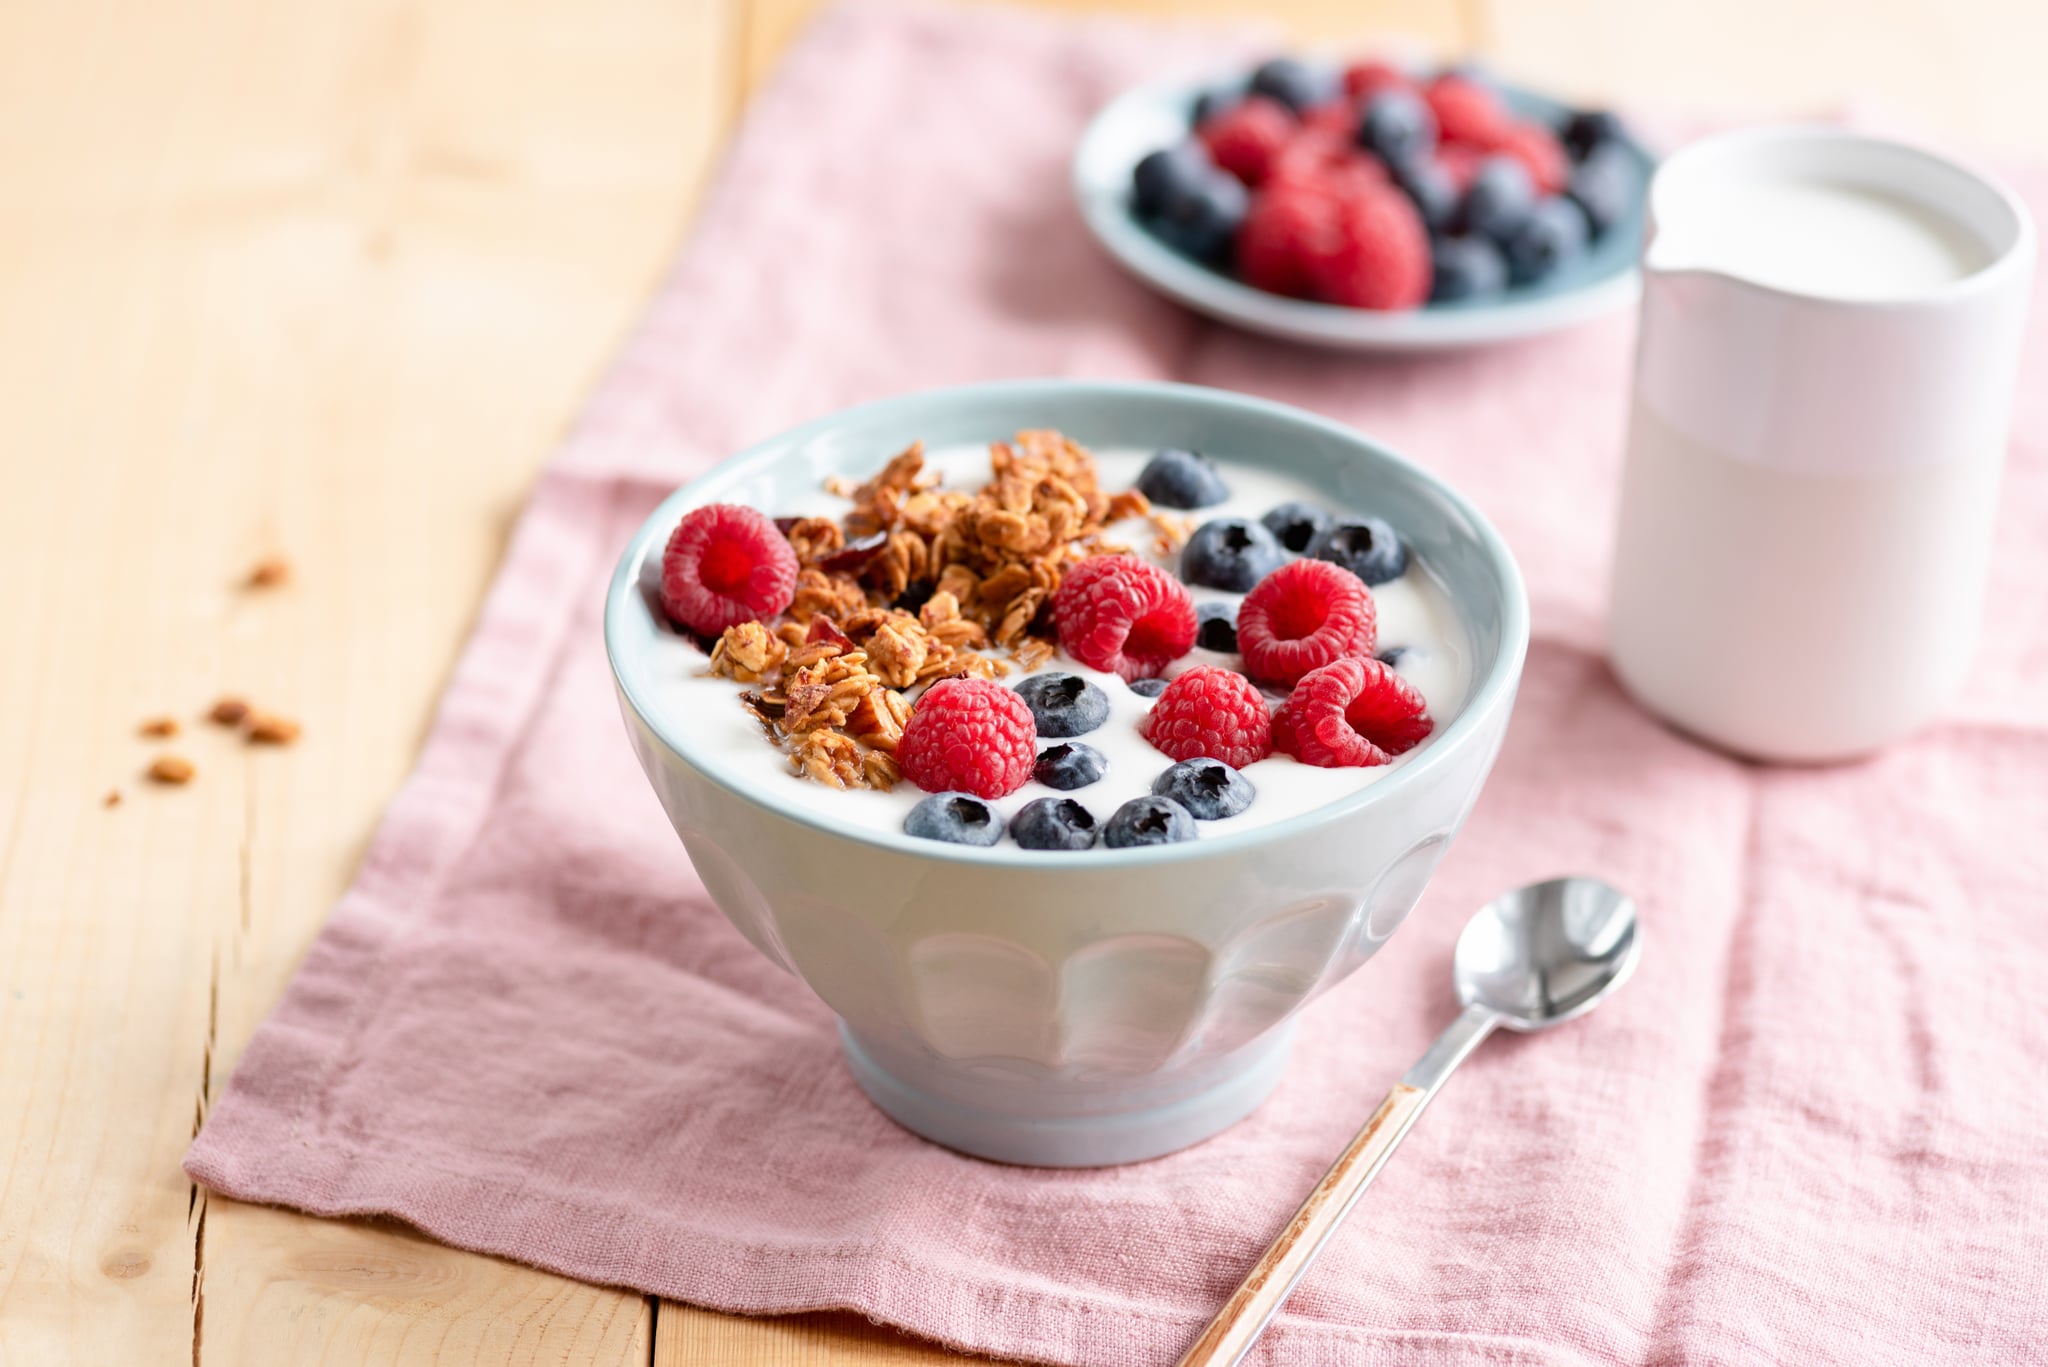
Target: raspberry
pixel 1465 110
pixel 968 736
pixel 1351 714
pixel 1297 218
pixel 725 564
pixel 1303 616
pixel 1540 153
pixel 1325 161
pixel 1290 225
pixel 1389 711
pixel 1124 615
pixel 1460 161
pixel 1379 254
pixel 1210 713
pixel 1245 138
pixel 1363 80
pixel 1336 118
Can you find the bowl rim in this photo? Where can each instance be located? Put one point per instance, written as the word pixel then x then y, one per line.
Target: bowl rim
pixel 1218 296
pixel 1494 690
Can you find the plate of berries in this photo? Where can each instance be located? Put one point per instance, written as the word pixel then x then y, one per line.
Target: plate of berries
pixel 1368 207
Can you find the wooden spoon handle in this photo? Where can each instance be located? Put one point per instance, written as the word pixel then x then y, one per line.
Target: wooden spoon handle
pixel 1266 1286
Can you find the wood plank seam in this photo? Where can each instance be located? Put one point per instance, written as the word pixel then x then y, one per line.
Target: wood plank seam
pixel 200 1196
pixel 199 1280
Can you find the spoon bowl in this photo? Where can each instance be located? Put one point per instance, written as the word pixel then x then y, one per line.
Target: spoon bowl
pixel 1542 954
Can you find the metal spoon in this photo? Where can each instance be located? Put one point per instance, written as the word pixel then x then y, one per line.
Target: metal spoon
pixel 1531 959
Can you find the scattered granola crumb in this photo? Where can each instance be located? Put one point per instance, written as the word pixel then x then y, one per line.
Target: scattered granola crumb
pixel 172 769
pixel 159 727
pixel 112 799
pixel 880 770
pixel 1171 532
pixel 1033 651
pixel 228 712
pixel 267 728
pixel 269 572
pixel 1129 503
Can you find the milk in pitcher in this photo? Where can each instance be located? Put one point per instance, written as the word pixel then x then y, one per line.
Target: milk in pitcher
pixel 1829 340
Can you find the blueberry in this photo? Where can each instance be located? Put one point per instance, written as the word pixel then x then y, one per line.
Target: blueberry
pixel 1148 821
pixel 1295 524
pixel 1210 789
pixel 1054 823
pixel 1499 199
pixel 1216 627
pixel 1551 236
pixel 1064 704
pixel 1164 178
pixel 1368 548
pixel 1465 268
pixel 1397 127
pixel 1473 71
pixel 1392 656
pixel 915 595
pixel 1204 223
pixel 1591 129
pixel 1295 84
pixel 1148 688
pixel 1604 186
pixel 1071 766
pixel 957 818
pixel 1231 553
pixel 1430 187
pixel 1182 479
pixel 1210 103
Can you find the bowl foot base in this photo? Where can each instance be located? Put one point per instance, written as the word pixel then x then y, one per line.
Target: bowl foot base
pixel 1054 1124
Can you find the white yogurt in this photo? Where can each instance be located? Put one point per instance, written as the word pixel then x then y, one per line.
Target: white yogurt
pixel 1414 612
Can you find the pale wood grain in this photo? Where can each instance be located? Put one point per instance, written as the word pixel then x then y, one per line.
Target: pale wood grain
pixel 704 1339
pixel 1964 69
pixel 1427 26
pixel 287 1288
pixel 327 279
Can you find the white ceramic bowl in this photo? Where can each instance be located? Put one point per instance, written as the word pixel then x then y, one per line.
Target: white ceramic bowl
pixel 1075 1009
pixel 1156 116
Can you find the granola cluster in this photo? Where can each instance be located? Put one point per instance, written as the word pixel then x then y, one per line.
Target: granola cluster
pixel 919 583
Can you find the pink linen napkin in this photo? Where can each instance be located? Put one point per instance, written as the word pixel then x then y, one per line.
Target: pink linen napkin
pixel 1810 1131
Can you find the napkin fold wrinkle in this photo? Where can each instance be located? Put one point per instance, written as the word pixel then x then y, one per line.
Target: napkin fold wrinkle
pixel 1809 1131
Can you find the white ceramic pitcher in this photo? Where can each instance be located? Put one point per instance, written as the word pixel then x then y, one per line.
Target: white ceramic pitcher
pixel 1816 438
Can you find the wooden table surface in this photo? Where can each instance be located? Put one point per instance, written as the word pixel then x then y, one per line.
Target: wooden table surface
pixel 326 279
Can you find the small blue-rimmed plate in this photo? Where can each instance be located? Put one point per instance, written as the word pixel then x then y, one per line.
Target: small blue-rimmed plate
pixel 1156 116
